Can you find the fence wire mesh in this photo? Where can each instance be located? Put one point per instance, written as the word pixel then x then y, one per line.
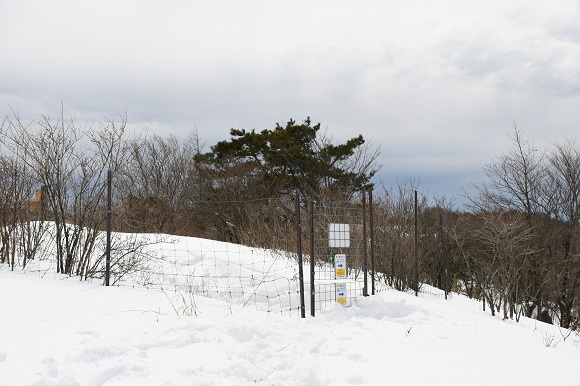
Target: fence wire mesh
pixel 338 231
pixel 258 263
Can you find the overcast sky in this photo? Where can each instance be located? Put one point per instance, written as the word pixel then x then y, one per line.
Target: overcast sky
pixel 437 85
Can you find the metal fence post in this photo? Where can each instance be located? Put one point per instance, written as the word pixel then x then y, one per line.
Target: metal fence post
pixel 372 237
pixel 108 252
pixel 416 248
pixel 364 240
pixel 443 241
pixel 312 261
pixel 300 268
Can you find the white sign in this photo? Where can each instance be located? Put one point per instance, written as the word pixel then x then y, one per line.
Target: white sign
pixel 339 235
pixel 340 266
pixel 341 293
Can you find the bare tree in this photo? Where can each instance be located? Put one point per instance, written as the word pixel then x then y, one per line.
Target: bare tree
pixel 565 267
pixel 158 185
pixel 517 182
pixel 70 163
pixel 505 240
pixel 394 233
pixel 21 225
pixel 467 256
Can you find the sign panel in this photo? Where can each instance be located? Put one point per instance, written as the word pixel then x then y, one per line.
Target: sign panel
pixel 341 293
pixel 340 266
pixel 339 235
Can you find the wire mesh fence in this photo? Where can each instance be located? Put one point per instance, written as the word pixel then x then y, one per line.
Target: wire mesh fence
pixel 338 244
pixel 289 255
pixel 264 279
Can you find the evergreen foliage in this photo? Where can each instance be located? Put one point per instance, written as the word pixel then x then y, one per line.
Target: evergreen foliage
pixel 294 156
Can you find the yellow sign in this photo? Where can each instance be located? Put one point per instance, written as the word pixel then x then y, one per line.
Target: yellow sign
pixel 341 293
pixel 340 266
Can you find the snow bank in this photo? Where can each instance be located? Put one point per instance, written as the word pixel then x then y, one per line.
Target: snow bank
pixel 59 331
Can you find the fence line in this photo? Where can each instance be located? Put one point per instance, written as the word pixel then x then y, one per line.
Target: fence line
pixel 266 279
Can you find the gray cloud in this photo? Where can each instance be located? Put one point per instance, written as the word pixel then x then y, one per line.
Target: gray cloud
pixel 436 85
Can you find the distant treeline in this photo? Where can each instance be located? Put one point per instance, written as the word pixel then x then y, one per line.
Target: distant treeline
pixel 516 245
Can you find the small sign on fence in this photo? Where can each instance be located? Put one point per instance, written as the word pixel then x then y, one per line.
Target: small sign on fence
pixel 339 235
pixel 341 293
pixel 340 266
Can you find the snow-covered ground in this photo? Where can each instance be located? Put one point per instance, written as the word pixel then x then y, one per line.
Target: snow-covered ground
pixel 59 331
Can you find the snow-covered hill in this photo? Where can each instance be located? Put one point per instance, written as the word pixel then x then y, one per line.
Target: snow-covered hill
pixel 59 331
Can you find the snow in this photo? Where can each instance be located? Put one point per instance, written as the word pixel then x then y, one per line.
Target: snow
pixel 56 330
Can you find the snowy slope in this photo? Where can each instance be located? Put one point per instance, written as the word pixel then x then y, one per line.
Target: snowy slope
pixel 59 331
